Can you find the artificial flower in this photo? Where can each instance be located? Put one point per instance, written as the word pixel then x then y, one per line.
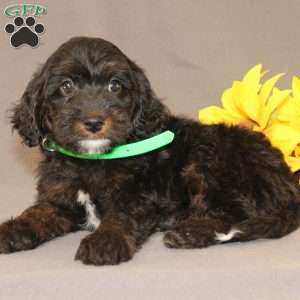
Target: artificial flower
pixel 262 107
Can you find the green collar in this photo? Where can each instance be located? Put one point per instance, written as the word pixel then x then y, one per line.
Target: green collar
pixel 122 151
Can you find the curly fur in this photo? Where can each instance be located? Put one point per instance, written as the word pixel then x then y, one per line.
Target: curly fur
pixel 213 184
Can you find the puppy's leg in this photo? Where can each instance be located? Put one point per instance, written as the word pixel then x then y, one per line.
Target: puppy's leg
pixel 115 241
pixel 199 228
pixel 54 214
pixel 198 231
pixel 37 224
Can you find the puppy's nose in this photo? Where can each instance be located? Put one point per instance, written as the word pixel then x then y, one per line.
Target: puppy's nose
pixel 93 124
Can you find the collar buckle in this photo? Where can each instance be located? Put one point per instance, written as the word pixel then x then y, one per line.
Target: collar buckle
pixel 46 145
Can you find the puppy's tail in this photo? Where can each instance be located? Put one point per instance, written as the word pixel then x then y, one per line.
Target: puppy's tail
pixel 275 226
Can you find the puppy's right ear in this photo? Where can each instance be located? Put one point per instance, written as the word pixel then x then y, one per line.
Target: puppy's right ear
pixel 25 114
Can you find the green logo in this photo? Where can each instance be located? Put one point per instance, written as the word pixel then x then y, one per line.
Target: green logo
pixel 16 10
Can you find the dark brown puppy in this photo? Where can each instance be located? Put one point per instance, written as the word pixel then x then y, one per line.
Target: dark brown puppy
pixel 213 184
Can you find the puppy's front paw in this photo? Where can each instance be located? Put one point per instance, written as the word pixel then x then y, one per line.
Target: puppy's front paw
pixel 105 247
pixel 16 236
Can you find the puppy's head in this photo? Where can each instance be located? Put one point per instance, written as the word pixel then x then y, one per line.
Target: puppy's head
pixel 87 97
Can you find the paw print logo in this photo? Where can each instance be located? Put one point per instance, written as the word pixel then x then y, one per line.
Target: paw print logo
pixel 24 32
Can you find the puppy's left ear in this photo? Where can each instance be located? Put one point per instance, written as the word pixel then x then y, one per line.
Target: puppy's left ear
pixel 25 114
pixel 150 114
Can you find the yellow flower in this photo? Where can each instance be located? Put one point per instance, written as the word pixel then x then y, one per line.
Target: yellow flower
pixel 290 113
pixel 262 107
pixel 247 102
pixel 287 132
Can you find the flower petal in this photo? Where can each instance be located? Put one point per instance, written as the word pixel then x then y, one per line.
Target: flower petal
pixel 216 115
pixel 229 103
pixel 289 113
pixel 246 100
pixel 296 87
pixel 252 77
pixel 293 163
pixel 283 137
pixel 277 98
pixel 267 87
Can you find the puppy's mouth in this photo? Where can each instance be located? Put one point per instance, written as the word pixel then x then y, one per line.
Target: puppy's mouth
pixel 98 146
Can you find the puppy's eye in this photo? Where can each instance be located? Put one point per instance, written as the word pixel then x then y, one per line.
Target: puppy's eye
pixel 67 87
pixel 114 86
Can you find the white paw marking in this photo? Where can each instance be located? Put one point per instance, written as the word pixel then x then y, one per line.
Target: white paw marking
pixel 94 146
pixel 92 220
pixel 223 237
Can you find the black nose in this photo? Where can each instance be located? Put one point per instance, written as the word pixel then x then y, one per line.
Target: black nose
pixel 93 124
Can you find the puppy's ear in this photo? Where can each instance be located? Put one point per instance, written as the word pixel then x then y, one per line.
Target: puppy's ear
pixel 151 114
pixel 25 114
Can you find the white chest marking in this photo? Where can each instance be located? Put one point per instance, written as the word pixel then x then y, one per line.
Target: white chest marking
pixel 223 237
pixel 94 146
pixel 92 220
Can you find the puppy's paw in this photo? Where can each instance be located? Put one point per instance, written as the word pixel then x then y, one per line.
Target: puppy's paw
pixel 188 237
pixel 16 236
pixel 174 239
pixel 105 247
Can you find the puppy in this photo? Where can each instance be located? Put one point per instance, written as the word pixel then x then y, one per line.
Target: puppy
pixel 212 184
